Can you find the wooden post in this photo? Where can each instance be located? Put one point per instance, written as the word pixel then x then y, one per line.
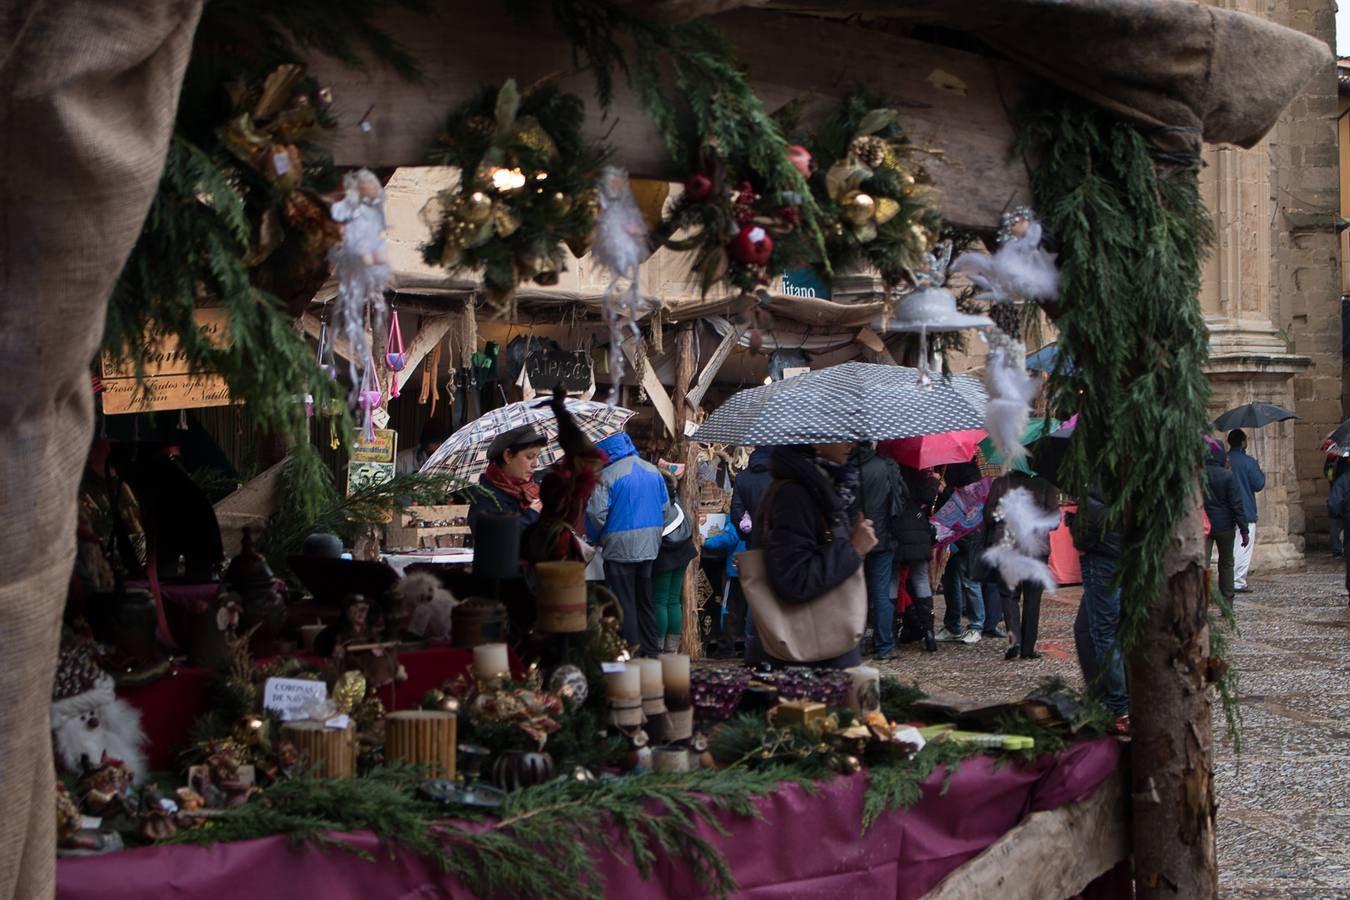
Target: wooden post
pixel 685 451
pixel 1170 673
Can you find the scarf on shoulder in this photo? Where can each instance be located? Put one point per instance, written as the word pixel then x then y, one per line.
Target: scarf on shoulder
pixel 525 491
pixel 845 478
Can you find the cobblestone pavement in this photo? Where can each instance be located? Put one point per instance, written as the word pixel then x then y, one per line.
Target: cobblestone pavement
pixel 1284 801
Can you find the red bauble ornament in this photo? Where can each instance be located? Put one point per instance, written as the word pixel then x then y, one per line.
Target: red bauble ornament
pixel 801 160
pixel 752 246
pixel 698 187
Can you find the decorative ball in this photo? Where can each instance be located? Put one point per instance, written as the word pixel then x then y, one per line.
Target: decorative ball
pixel 569 682
pixel 870 150
pixel 801 160
pixel 698 187
pixel 752 246
pixel 705 759
pixel 477 207
pixel 858 208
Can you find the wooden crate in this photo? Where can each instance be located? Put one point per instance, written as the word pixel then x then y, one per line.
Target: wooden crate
pixel 405 532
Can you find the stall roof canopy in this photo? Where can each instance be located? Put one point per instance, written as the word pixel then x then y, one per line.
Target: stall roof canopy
pixel 1174 65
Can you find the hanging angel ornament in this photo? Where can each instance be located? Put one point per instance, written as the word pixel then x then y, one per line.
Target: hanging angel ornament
pixel 1023 531
pixel 1019 271
pixel 620 245
pixel 363 273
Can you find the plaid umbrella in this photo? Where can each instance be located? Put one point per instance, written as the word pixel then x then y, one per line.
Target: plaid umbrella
pixel 465 453
pixel 849 402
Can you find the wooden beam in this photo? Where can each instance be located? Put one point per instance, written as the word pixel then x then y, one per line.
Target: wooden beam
pixel 1030 861
pixel 656 391
pixel 705 378
pixel 428 336
pixel 950 99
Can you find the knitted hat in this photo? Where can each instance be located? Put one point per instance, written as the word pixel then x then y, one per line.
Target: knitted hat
pixel 80 684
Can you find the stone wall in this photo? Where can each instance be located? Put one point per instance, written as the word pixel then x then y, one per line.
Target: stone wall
pixel 1271 293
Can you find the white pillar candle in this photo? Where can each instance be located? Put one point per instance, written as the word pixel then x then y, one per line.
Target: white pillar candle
pixel 865 693
pixel 679 701
pixel 675 671
pixel 670 759
pixel 653 689
pixel 490 661
pixel 624 690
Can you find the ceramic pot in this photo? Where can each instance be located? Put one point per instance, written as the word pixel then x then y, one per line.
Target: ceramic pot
pixel 515 769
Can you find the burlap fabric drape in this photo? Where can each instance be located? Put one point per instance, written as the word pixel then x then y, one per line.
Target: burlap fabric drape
pixel 88 89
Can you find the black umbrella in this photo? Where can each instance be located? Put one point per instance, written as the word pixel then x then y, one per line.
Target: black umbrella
pixel 1253 415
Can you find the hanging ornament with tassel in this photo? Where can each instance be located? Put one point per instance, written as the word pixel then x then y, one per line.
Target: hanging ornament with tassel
pixel 620 246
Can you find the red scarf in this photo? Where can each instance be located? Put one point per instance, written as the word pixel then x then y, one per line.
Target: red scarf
pixel 524 490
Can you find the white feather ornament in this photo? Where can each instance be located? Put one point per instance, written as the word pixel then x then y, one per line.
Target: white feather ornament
pixel 1026 539
pixel 1010 391
pixel 1019 270
pixel 361 263
pixel 620 245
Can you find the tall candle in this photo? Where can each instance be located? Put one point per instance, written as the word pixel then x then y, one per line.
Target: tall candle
pixel 560 596
pixel 624 689
pixel 865 693
pixel 490 660
pixel 653 688
pixel 496 545
pixel 679 701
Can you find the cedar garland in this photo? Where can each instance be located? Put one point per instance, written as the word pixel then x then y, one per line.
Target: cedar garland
pixel 1132 235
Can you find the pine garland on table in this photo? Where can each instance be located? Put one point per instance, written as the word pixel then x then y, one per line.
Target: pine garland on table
pixel 1133 234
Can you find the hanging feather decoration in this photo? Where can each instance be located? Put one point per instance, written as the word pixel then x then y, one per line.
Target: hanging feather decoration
pixel 1019 270
pixel 1019 554
pixel 361 262
pixel 620 245
pixel 1010 392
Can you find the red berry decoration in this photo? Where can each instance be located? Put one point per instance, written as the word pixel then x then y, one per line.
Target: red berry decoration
pixel 801 160
pixel 752 246
pixel 698 187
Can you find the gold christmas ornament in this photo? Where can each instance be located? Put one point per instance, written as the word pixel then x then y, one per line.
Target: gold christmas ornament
pixel 869 150
pixel 505 220
pixel 858 208
pixel 349 691
pixel 475 208
pixel 506 181
pixel 562 204
pixel 887 209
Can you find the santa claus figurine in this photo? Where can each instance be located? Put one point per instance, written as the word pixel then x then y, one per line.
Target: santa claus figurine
pixel 88 721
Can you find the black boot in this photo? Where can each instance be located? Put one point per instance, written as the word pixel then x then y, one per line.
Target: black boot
pixel 923 614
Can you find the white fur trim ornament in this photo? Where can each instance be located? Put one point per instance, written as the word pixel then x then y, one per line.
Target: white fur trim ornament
pixel 1026 538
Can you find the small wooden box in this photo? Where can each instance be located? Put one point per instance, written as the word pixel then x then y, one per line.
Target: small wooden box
pixel 418 527
pixel 798 712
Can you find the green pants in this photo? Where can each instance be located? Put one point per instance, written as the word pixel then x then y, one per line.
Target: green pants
pixel 668 597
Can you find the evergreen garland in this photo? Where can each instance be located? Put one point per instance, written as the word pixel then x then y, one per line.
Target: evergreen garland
pixel 1132 235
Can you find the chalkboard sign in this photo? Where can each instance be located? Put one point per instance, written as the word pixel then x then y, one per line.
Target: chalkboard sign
pixel 549 368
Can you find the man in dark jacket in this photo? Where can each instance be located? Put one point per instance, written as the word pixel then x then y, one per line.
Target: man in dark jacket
pixel 1097 626
pixel 1223 505
pixel 913 549
pixel 881 499
pixel 1250 482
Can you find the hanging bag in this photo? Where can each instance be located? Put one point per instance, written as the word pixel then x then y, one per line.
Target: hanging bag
pixel 819 629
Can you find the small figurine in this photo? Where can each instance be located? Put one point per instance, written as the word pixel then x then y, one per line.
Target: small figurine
pixel 69 823
pixel 431 606
pixel 105 787
pixel 227 788
pixel 88 720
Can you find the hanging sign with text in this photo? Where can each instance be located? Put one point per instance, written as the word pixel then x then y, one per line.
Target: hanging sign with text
pixel 549 368
pixel 170 381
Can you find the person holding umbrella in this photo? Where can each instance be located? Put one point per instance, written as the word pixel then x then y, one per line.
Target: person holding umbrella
pixel 1223 505
pixel 508 483
pixel 881 499
pixel 1250 482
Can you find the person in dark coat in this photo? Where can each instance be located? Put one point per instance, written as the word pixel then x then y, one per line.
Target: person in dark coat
pixel 1096 628
pixel 881 498
pixel 508 484
pixel 1338 503
pixel 668 569
pixel 1022 603
pixel 811 544
pixel 961 587
pixel 750 488
pixel 1223 505
pixel 913 550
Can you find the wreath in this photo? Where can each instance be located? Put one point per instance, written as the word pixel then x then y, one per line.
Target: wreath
pixel 527 188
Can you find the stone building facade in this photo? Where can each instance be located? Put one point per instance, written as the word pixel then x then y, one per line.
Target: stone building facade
pixel 1272 292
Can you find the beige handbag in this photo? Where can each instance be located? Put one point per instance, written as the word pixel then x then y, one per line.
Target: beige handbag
pixel 819 629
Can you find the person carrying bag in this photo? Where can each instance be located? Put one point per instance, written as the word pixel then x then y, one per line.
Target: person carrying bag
pixel 803 576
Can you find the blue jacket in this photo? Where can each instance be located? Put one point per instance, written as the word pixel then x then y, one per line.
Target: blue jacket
pixel 1250 480
pixel 627 512
pixel 728 539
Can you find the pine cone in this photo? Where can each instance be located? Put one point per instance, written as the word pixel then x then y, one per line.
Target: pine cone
pixel 1007 318
pixel 869 150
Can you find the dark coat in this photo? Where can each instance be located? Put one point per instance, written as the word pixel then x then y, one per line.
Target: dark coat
pixel 1223 501
pixel 1250 480
pixel 882 495
pixel 1338 503
pixel 914 533
pixel 677 554
pixel 1088 526
pixel 750 488
pixel 489 498
pixel 806 543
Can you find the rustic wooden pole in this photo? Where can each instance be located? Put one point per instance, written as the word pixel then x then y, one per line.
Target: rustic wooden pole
pixel 685 451
pixel 1170 675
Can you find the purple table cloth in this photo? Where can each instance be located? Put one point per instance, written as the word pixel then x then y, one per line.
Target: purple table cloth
pixel 804 846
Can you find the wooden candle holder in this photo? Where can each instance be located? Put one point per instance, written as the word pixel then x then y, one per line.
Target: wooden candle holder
pixel 331 751
pixel 422 736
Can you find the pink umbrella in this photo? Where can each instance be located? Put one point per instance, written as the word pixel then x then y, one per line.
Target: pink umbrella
pixel 930 450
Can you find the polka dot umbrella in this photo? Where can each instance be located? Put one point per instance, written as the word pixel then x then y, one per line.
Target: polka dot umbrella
pixel 465 453
pixel 850 402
